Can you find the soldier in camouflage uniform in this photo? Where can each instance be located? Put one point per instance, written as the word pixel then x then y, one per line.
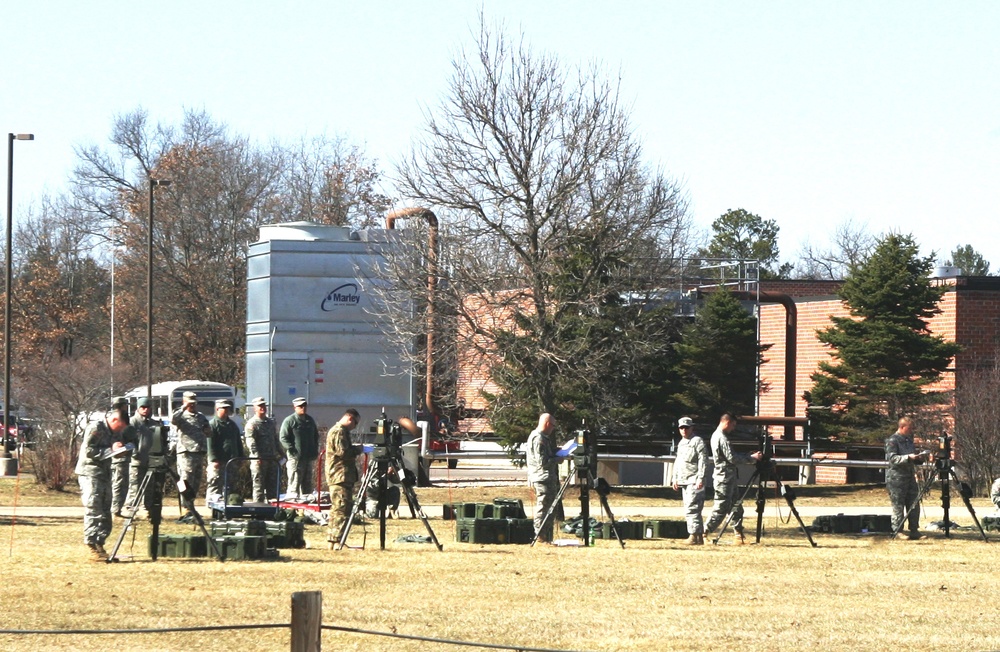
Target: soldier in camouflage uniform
pixel 261 437
pixel 900 478
pixel 191 431
pixel 224 443
pixel 543 473
pixel 341 472
pixel 143 425
pixel 725 477
pixel 690 468
pixel 93 469
pixel 120 463
pixel 300 437
pixel 995 493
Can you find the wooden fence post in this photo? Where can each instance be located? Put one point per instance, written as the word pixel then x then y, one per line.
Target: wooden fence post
pixel 307 616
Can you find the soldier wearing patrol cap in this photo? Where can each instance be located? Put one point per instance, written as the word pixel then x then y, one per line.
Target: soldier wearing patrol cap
pixel 143 426
pixel 93 469
pixel 261 438
pixel 690 470
pixel 191 431
pixel 300 437
pixel 224 444
pixel 120 464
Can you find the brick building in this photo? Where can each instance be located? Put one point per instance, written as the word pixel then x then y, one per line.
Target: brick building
pixel 970 316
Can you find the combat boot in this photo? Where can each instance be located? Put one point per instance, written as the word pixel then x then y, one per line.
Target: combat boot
pixel 692 540
pixel 701 540
pixel 97 553
pixel 740 539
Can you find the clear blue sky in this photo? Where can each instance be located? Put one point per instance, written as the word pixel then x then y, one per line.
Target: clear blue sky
pixel 808 113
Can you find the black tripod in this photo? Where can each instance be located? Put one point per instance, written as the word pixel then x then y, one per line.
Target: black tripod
pixel 944 470
pixel 388 439
pixel 153 482
pixel 764 472
pixel 584 462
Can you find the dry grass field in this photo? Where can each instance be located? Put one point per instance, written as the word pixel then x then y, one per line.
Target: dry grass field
pixel 851 592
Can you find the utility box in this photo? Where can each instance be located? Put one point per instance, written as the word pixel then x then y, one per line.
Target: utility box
pixel 311 327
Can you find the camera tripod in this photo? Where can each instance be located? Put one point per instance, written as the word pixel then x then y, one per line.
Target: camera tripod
pixel 945 472
pixel 377 475
pixel 153 482
pixel 764 472
pixel 587 480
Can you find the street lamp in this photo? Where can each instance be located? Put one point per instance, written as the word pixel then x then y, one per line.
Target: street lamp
pixel 153 183
pixel 4 451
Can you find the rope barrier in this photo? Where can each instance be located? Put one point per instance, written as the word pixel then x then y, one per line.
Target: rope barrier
pixel 337 628
pixel 162 630
pixel 445 641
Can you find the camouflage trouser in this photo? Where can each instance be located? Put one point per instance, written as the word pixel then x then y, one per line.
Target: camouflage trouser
pixel 694 502
pixel 265 479
pixel 341 504
pixel 301 480
pixel 119 485
pixel 95 493
pixel 545 495
pixel 392 497
pixel 191 468
pixel 902 494
pixel 214 483
pixel 725 501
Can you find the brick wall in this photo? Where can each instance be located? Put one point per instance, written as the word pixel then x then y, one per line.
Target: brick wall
pixel 970 317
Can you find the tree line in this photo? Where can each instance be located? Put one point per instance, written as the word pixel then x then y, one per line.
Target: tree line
pixel 549 212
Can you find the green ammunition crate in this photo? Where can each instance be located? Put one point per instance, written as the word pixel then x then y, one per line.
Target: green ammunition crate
pixel 514 507
pixel 838 524
pixel 876 523
pixel 522 530
pixel 482 530
pixel 485 510
pixel 454 511
pixel 665 529
pixel 284 534
pixel 626 530
pixel 990 523
pixel 179 545
pixel 248 528
pixel 451 511
pixel 238 546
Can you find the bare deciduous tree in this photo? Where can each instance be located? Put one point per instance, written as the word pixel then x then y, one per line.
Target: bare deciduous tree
pixel 547 210
pixel 852 244
pixel 977 413
pixel 223 188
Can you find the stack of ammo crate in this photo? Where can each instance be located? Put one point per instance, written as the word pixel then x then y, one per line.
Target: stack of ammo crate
pixel 853 524
pixel 234 540
pixel 502 521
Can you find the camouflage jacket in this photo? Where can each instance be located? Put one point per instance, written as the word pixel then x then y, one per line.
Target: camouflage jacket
pixel 341 456
pixel 191 431
pixel 97 441
pixel 543 465
pixel 897 451
pixel 261 437
pixel 691 463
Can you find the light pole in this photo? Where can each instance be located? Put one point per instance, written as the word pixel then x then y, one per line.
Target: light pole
pixel 153 183
pixel 5 465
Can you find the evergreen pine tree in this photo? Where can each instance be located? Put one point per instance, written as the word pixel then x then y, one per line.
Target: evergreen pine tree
pixel 884 353
pixel 719 353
